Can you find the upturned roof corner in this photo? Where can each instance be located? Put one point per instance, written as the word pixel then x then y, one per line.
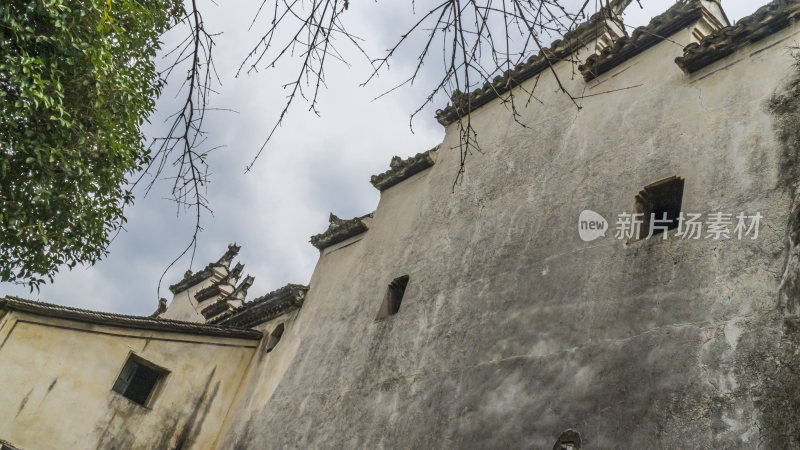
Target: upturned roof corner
pixel 227 258
pixel 676 18
pixel 190 279
pixel 401 169
pixel 767 20
pixel 240 293
pixel 162 308
pixel 339 230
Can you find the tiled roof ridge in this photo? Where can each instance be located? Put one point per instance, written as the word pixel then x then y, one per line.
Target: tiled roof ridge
pixel 767 20
pixel 207 292
pixel 214 309
pixel 660 27
pixel 128 321
pixel 461 104
pixel 657 30
pixel 5 445
pixel 191 279
pixel 401 169
pixel 264 308
pixel 339 230
pixel 222 305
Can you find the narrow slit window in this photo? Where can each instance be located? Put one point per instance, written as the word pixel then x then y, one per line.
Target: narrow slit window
pixel 393 298
pixel 274 338
pixel 139 380
pixel 660 201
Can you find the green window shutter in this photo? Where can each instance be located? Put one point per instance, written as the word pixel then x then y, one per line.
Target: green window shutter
pixel 125 377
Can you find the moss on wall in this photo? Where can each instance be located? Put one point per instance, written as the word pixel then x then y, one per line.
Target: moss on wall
pixel 785 109
pixel 769 360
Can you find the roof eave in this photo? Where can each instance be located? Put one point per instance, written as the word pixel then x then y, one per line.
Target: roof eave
pixel 122 321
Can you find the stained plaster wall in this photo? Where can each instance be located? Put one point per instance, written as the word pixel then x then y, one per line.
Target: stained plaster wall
pixel 57 377
pixel 263 375
pixel 512 329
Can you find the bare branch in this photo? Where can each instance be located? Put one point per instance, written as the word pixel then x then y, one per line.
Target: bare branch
pixel 482 41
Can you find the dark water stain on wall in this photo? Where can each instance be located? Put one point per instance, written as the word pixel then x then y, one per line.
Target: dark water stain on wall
pixel 247 438
pixel 170 425
pixel 200 407
pixel 117 432
pixel 784 107
pixel 178 430
pixel 769 360
pixel 24 402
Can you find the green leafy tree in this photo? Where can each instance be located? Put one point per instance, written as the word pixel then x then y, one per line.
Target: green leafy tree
pixel 77 81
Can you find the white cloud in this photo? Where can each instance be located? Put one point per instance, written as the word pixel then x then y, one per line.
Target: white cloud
pixel 315 165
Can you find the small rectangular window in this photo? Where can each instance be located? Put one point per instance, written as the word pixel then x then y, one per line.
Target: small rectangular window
pixel 661 201
pixel 139 379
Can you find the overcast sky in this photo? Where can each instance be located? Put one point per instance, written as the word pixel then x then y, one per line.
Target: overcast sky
pixel 314 165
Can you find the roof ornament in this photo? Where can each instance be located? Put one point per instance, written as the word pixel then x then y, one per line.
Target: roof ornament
pixel 767 20
pixel 334 220
pixel 241 291
pixel 162 307
pixel 193 278
pixel 618 6
pixel 227 258
pixel 236 272
pixel 692 13
pixel 401 169
pixel 339 230
pixel 396 163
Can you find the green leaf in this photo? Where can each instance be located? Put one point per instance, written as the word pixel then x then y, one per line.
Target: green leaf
pixel 79 80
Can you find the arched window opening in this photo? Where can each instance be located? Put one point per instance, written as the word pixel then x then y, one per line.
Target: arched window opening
pixel 569 440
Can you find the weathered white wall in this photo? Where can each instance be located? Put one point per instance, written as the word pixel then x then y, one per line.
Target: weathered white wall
pixel 513 329
pixel 263 375
pixel 56 377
